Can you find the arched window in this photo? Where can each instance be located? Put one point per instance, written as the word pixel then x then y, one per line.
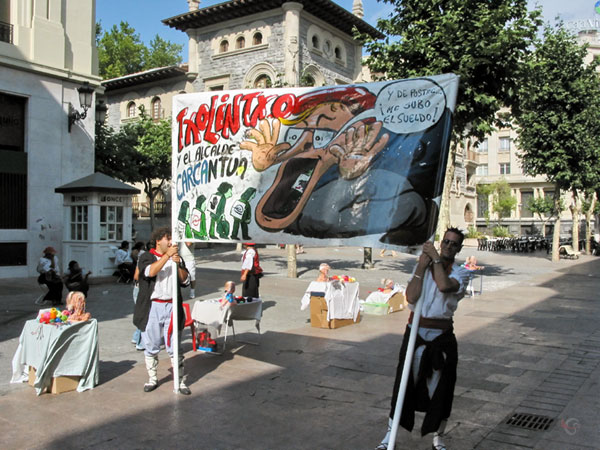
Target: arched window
pixel 315 41
pixel 131 109
pixel 224 47
pixel 263 81
pixel 240 42
pixel 468 214
pixel 257 39
pixel 338 53
pixel 156 108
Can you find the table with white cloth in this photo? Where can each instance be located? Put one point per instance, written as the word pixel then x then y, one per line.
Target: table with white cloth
pixel 58 350
pixel 209 314
pixel 341 298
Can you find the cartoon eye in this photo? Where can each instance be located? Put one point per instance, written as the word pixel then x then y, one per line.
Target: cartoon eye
pixel 321 138
pixel 293 135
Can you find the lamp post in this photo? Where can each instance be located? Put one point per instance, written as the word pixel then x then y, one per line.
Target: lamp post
pixel 86 93
pixel 101 110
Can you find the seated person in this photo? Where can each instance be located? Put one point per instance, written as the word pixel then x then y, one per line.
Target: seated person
pixel 124 262
pixel 228 299
pixel 471 264
pixel 75 280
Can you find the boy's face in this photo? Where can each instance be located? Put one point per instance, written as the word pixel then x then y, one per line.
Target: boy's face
pixel 163 244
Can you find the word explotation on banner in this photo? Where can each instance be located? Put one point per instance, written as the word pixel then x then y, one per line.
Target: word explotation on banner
pixel 345 165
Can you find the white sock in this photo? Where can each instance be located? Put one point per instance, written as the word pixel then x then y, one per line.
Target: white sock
pixel 386 439
pixel 192 293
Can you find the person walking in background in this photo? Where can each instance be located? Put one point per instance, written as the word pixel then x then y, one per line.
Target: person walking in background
pixel 251 271
pixel 49 271
pixel 154 306
pixel 186 251
pixel 439 283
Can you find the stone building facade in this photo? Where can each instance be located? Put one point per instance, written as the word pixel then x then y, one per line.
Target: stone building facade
pixel 47 52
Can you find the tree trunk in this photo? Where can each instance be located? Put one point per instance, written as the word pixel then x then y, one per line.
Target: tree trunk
pixel 556 233
pixel 367 258
pixel 444 215
pixel 588 224
pixel 292 261
pixel 575 217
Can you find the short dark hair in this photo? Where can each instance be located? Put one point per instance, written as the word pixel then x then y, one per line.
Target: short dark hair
pixel 456 231
pixel 124 244
pixel 160 233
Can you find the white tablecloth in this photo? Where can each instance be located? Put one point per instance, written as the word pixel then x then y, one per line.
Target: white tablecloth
pixel 342 300
pixel 55 351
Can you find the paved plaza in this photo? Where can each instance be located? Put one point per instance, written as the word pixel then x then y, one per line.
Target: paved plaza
pixel 529 344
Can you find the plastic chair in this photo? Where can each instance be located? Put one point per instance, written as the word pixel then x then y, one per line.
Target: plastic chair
pixel 189 322
pixel 45 290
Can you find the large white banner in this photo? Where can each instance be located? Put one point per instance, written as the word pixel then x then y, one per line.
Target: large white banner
pixel 359 165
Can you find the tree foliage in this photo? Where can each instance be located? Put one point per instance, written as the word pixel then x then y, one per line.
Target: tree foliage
pixel 140 152
pixel 558 113
pixel 484 42
pixel 558 118
pixel 122 52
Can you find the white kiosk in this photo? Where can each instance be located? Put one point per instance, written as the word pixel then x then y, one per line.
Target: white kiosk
pixel 97 218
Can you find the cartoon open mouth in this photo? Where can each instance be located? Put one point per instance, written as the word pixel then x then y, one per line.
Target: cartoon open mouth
pixel 283 202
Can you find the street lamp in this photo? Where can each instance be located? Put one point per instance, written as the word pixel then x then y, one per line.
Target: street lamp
pixel 101 109
pixel 85 99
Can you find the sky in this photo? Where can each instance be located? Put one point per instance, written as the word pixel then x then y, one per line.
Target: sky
pixel 145 15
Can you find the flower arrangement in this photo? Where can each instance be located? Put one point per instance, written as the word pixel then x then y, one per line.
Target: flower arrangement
pixel 54 316
pixel 344 278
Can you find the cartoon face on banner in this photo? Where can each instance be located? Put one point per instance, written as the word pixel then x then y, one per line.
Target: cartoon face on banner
pixel 356 165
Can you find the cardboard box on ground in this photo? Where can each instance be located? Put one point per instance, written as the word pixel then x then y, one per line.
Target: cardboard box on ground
pixel 318 315
pixel 59 384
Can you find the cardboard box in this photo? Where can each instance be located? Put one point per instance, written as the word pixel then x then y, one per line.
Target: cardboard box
pixel 397 302
pixel 318 315
pixel 59 384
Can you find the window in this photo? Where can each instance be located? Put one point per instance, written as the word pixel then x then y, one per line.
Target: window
pixel 315 41
pixel 263 82
pixel 504 168
pixel 257 39
pixel 526 197
pixel 481 169
pixel 482 147
pixel 79 223
pixel 240 42
pixel 338 53
pixel 482 205
pixel 111 223
pixel 549 194
pixel 13 165
pixel 156 108
pixel 224 46
pixel 13 254
pixel 504 144
pixel 131 109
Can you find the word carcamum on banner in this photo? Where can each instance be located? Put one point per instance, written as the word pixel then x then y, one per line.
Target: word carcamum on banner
pixel 355 165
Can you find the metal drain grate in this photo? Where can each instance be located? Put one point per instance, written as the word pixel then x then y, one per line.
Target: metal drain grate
pixel 530 421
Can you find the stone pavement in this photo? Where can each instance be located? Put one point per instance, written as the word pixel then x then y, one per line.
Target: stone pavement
pixel 528 345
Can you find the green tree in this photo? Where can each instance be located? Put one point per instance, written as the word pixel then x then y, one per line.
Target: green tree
pixel 122 52
pixel 545 208
pixel 140 152
pixel 504 202
pixel 484 42
pixel 558 115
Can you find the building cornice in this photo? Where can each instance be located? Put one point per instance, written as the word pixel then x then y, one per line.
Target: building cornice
pixel 326 10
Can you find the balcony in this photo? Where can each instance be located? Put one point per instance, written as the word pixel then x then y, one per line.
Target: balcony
pixel 6 32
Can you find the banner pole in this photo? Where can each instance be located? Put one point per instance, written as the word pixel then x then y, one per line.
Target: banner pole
pixel 175 319
pixel 405 372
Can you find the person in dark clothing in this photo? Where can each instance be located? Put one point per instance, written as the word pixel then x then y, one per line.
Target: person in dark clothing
pixel 49 271
pixel 75 280
pixel 251 271
pixel 439 283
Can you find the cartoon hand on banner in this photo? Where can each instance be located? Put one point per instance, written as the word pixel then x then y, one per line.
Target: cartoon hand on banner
pixel 265 150
pixel 357 147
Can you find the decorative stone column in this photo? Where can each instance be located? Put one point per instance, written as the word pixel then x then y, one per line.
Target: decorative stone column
pixel 291 39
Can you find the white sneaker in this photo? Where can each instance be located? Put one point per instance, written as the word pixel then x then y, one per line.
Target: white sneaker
pixel 192 293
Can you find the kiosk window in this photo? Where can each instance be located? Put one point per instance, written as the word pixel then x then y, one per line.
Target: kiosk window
pixel 111 223
pixel 79 223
